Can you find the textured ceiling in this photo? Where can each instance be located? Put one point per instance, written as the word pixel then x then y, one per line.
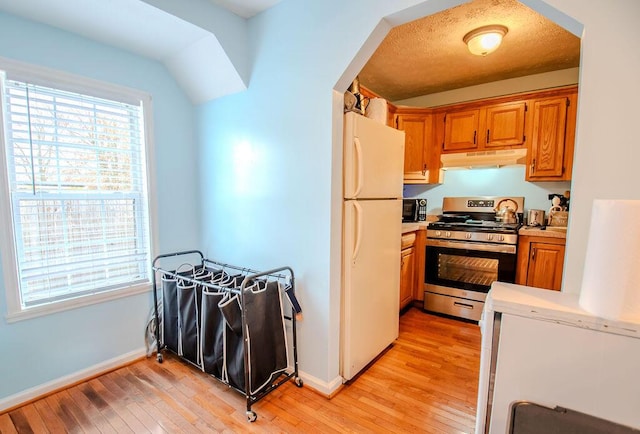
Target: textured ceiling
pixel 428 56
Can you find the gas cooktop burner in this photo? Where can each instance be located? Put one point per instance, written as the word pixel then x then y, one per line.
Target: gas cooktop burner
pixel 476 214
pixel 476 226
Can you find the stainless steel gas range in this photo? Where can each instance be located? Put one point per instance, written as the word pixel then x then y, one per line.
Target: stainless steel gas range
pixel 467 250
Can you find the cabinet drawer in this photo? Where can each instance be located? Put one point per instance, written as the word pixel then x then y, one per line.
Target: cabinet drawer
pixel 460 307
pixel 408 240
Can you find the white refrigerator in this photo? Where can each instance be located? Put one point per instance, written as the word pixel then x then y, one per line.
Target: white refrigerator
pixel 372 230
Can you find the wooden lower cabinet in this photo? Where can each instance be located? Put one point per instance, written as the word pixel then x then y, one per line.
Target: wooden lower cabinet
pixel 412 256
pixel 407 269
pixel 540 262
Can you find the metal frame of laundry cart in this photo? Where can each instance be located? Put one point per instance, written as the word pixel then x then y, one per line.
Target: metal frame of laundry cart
pixel 249 277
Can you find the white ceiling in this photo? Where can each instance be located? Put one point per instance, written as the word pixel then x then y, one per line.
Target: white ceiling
pixel 132 25
pixel 245 8
pixel 193 55
pixel 203 42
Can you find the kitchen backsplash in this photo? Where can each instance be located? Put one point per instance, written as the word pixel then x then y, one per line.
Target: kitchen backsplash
pixel 506 181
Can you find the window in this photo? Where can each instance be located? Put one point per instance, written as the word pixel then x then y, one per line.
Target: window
pixel 76 183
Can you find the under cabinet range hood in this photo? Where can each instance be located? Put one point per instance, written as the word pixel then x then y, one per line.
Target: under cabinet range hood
pixel 484 159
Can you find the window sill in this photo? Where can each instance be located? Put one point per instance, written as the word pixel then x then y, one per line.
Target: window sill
pixel 75 303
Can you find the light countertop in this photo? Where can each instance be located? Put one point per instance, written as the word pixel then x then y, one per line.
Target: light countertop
pixel 553 306
pixel 549 232
pixel 413 226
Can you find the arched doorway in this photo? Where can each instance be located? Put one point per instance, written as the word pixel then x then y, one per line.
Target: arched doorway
pixel 370 47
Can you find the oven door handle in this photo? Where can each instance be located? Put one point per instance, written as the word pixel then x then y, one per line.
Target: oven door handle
pixel 463 245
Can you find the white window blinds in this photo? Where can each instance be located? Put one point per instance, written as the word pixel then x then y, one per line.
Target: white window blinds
pixel 77 179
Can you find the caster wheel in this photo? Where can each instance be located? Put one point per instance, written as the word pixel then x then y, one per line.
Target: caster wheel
pixel 299 382
pixel 251 416
pixel 159 357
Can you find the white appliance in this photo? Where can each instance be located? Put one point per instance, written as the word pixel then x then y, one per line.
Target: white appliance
pixel 372 230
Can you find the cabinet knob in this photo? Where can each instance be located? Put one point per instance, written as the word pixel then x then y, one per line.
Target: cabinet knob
pixel 533 165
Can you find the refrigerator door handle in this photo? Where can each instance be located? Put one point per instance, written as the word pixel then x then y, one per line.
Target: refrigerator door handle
pixel 358 231
pixel 359 166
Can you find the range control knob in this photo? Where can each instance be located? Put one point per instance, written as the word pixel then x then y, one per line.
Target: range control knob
pixel 447 234
pixel 500 237
pixel 468 236
pixel 489 237
pixel 438 233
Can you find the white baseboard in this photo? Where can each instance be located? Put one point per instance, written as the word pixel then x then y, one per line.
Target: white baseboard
pixel 324 388
pixel 62 382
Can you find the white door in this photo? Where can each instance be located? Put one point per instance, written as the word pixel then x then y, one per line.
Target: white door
pixel 371 287
pixel 373 159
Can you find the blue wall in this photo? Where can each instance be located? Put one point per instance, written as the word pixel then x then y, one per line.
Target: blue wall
pixel 271 159
pixel 300 51
pixel 43 349
pixel 506 181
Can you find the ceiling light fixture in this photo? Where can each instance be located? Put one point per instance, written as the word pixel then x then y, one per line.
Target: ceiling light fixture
pixel 485 40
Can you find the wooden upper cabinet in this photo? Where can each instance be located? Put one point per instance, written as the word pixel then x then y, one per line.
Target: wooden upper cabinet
pixel 547 140
pixel 542 121
pixel 550 150
pixel 461 130
pixel 417 130
pixel 504 125
pixel 496 126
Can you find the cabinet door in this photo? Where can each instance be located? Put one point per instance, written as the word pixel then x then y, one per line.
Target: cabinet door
pixel 461 130
pixel 407 269
pixel 545 265
pixel 546 154
pixel 416 130
pixel 504 125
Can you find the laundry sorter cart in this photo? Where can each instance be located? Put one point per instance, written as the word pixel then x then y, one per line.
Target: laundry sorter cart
pixel 230 322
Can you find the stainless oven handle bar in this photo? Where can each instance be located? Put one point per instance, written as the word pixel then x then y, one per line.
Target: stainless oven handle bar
pixel 463 245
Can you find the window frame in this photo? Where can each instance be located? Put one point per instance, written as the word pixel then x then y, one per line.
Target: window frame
pixel 73 83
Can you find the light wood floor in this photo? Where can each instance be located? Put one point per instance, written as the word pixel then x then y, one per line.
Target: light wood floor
pixel 427 382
